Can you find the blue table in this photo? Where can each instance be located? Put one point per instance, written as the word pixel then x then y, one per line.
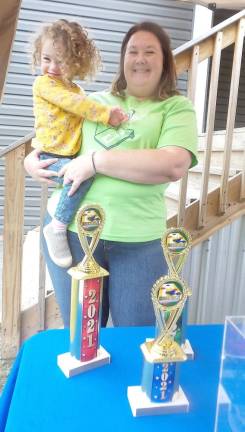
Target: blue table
pixel 38 398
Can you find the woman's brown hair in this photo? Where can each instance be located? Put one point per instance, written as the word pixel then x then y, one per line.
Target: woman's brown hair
pixel 167 85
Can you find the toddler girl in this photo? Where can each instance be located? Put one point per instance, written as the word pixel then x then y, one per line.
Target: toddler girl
pixel 64 52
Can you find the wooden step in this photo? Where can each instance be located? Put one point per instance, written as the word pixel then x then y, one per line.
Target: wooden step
pixel 215 221
pixel 172 198
pixel 238 148
pixel 194 187
pixel 214 170
pixel 194 183
pixel 172 193
pixel 219 139
pixel 237 157
pixel 195 177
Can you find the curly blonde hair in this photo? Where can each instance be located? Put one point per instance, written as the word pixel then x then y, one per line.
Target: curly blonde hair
pixel 79 56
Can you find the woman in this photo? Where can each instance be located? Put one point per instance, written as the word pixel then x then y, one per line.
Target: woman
pixel 133 164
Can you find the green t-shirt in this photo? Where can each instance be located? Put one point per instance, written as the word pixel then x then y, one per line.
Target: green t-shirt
pixel 136 212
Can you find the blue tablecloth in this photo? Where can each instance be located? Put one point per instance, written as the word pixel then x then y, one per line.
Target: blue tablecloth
pixel 39 398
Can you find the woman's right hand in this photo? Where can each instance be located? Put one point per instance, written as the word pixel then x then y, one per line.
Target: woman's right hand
pixel 36 168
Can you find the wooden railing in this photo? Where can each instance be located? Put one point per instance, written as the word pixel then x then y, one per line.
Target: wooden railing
pixel 188 56
pixel 200 218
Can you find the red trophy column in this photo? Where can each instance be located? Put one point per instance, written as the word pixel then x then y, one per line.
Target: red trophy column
pixel 90 319
pixel 86 297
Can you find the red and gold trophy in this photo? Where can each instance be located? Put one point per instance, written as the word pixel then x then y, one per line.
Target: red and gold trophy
pixel 160 392
pixel 86 297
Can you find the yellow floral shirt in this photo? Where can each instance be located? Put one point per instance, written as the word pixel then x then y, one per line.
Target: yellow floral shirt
pixel 59 110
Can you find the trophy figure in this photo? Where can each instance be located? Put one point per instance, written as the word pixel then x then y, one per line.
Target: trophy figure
pixel 86 297
pixel 160 392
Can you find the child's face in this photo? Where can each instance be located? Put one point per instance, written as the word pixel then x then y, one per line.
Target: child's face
pixel 50 65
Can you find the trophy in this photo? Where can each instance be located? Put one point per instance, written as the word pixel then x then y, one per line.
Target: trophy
pixel 160 392
pixel 86 297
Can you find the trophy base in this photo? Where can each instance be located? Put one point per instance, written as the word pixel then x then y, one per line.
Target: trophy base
pixel 142 406
pixel 187 348
pixel 70 366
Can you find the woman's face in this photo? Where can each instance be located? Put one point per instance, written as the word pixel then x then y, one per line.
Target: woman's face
pixel 143 65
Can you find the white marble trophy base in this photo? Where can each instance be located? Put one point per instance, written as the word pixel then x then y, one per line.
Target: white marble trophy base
pixel 187 348
pixel 142 406
pixel 70 366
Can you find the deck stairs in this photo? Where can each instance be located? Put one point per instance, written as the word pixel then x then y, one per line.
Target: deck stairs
pixel 237 161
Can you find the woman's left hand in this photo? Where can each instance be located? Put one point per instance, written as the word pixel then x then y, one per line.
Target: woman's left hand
pixel 77 171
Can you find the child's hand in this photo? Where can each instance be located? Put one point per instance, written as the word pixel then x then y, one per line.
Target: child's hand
pixel 117 116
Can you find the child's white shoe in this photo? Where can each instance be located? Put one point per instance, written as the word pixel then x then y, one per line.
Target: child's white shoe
pixel 58 247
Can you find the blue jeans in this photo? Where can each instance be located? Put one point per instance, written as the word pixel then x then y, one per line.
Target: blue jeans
pixel 67 205
pixel 133 268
